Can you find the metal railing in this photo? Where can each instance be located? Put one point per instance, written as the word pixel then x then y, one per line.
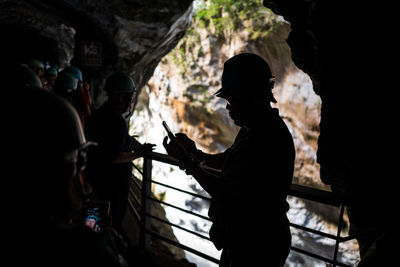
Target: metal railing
pixel 143 215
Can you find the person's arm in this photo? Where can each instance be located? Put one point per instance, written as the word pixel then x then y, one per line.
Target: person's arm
pixel 125 157
pixel 141 148
pixel 209 181
pixel 215 161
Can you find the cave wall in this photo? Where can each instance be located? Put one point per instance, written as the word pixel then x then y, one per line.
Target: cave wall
pixel 347 50
pixel 133 35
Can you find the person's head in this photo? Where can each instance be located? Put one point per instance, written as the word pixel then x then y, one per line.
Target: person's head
pixel 51 75
pixel 44 150
pixel 37 66
pixel 16 77
pixel 246 85
pixel 121 90
pixel 65 83
pixel 77 73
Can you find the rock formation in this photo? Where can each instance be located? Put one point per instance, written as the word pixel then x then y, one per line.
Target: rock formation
pixel 331 41
pixel 131 36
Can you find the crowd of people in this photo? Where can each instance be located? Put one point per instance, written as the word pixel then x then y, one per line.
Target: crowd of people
pixel 47 151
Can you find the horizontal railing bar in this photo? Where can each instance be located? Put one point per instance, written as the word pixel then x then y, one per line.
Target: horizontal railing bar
pixel 171 160
pixel 163 158
pixel 137 168
pixel 347 238
pixel 178 226
pixel 135 213
pixel 314 231
pixel 136 183
pixel 178 208
pixel 300 191
pixel 179 245
pixel 317 195
pixel 134 197
pixel 319 257
pixel 181 190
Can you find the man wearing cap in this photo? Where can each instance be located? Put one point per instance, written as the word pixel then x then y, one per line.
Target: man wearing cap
pixel 110 163
pixel 248 207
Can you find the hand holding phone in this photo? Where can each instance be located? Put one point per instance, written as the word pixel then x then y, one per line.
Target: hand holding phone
pixel 174 148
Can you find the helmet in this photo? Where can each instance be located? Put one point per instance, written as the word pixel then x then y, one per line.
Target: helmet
pixel 16 76
pixel 34 63
pixel 26 77
pixel 51 71
pixel 75 71
pixel 119 82
pixel 248 71
pixel 65 83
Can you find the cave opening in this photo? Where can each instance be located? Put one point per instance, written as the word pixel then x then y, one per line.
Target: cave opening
pixel 182 88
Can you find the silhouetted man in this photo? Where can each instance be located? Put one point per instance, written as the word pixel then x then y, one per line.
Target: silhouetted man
pixel 110 163
pixel 248 207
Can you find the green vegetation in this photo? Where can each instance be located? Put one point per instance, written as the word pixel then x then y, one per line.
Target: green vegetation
pixel 217 20
pixel 230 15
pixel 220 18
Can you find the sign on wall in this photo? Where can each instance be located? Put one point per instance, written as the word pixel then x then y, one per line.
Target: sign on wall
pixel 91 53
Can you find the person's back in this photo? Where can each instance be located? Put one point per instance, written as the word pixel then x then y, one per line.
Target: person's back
pixel 107 127
pixel 257 174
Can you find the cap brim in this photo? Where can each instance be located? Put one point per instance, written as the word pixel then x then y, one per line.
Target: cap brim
pixel 221 93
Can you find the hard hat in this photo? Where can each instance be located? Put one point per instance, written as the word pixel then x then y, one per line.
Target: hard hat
pixel 17 77
pixel 26 77
pixel 51 71
pixel 244 75
pixel 34 63
pixel 65 83
pixel 74 71
pixel 119 82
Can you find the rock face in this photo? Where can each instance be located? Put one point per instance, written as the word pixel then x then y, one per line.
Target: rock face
pixel 132 36
pixel 331 41
pixel 332 63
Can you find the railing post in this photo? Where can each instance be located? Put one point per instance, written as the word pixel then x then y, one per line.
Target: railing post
pixel 144 241
pixel 339 230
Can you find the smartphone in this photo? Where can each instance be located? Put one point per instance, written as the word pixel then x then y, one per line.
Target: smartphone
pixel 96 215
pixel 172 136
